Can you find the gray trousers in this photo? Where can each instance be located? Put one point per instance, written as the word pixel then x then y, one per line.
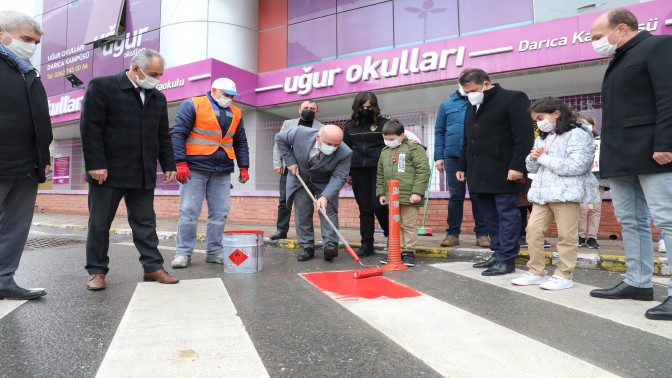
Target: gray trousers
pixel 303 208
pixel 17 202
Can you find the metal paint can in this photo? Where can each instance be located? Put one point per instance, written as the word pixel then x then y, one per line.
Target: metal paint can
pixel 243 251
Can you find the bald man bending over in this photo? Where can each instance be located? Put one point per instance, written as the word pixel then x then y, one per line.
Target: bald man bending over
pixel 323 162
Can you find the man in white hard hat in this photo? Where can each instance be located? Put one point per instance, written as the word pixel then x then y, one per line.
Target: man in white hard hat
pixel 208 135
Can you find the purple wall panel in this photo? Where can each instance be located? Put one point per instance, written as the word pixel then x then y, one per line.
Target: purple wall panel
pixel 311 40
pixel 346 5
pixel 485 14
pixel 302 10
pixel 367 28
pixel 416 22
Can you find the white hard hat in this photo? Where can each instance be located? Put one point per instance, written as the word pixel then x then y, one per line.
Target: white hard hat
pixel 227 85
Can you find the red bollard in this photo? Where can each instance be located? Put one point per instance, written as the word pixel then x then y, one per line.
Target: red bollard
pixel 394 242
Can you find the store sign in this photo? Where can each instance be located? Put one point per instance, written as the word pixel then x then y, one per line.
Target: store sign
pixel 554 43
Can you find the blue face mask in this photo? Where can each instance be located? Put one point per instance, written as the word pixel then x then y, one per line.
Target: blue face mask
pixel 327 149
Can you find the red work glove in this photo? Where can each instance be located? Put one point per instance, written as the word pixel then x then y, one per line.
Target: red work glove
pixel 183 172
pixel 244 175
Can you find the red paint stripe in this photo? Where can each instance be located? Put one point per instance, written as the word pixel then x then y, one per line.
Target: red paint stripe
pixel 344 286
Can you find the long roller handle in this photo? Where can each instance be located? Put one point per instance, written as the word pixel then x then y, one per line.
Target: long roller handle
pixel 331 224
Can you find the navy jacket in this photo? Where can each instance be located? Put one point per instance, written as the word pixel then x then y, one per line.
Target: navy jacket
pixel 449 129
pixel 218 162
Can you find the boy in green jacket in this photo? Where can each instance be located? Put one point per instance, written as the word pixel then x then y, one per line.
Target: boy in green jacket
pixel 405 161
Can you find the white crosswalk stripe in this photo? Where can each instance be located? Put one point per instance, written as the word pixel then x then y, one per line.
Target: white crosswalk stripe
pixel 626 312
pixel 7 306
pixel 458 348
pixel 185 330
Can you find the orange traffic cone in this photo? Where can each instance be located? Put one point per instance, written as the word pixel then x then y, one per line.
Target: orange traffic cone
pixel 394 243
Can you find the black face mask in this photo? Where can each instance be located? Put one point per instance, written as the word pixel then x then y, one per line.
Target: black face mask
pixel 307 115
pixel 366 114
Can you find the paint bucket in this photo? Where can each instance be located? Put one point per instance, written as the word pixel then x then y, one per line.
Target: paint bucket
pixel 243 251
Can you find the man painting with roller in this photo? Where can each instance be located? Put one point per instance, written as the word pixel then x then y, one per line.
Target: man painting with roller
pixel 208 136
pixel 323 162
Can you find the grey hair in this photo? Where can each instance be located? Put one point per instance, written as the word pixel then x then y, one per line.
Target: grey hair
pixel 10 20
pixel 144 57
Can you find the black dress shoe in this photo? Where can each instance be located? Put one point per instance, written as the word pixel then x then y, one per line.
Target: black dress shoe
pixel 330 251
pixel 500 268
pixel 306 254
pixel 487 263
pixel 624 291
pixel 365 251
pixel 278 235
pixel 661 312
pixel 20 293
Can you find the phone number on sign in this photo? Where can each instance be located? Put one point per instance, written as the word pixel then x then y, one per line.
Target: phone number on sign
pixel 68 70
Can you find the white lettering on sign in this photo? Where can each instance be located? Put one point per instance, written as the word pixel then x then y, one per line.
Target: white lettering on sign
pixel 170 84
pixel 526 45
pixel 409 62
pixel 121 44
pixel 65 105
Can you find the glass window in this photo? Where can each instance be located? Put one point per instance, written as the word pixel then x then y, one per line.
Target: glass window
pixel 105 17
pixel 311 41
pixel 485 15
pixel 302 10
pixel 418 22
pixel 346 5
pixel 365 29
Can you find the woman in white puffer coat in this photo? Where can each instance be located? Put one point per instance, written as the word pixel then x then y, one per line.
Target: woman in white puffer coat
pixel 562 159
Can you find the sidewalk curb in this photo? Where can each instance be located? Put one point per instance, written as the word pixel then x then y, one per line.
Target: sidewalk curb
pixel 611 263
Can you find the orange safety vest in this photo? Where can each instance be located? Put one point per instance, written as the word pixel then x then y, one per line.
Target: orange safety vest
pixel 206 136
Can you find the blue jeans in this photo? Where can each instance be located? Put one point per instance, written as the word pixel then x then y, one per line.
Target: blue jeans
pixel 216 189
pixel 633 197
pixel 456 203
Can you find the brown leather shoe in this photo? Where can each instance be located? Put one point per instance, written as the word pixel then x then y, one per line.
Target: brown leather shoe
pixel 96 281
pixel 450 241
pixel 161 276
pixel 483 241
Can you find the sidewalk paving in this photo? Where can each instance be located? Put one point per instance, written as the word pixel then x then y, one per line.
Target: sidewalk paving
pixel 609 257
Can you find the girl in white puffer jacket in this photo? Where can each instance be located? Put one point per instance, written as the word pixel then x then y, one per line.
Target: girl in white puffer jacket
pixel 562 159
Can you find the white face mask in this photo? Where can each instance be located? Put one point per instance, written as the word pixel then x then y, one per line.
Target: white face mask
pixel 327 149
pixel 148 82
pixel 476 98
pixel 22 49
pixel 392 143
pixel 603 47
pixel 545 125
pixel 224 102
pixel 461 90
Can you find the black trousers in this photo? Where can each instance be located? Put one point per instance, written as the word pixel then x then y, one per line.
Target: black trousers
pixel 364 188
pixel 502 219
pixel 283 212
pixel 103 204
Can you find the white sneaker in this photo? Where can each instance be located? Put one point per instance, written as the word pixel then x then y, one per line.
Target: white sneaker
pixel 557 283
pixel 528 279
pixel 181 261
pixel 661 245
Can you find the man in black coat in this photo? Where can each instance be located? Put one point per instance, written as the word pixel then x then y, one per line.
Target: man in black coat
pixel 124 127
pixel 636 147
pixel 498 135
pixel 25 135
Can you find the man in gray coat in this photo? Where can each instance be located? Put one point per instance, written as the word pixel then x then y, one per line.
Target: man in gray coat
pixel 308 111
pixel 323 162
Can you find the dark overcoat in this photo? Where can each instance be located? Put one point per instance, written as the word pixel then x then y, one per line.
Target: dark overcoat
pixel 124 136
pixel 637 107
pixel 497 138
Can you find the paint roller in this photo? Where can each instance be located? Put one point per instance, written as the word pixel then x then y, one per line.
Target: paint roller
pixel 364 273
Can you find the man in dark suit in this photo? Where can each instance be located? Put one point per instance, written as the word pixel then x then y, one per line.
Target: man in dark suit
pixel 498 135
pixel 25 135
pixel 124 128
pixel 636 146
pixel 308 110
pixel 323 162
